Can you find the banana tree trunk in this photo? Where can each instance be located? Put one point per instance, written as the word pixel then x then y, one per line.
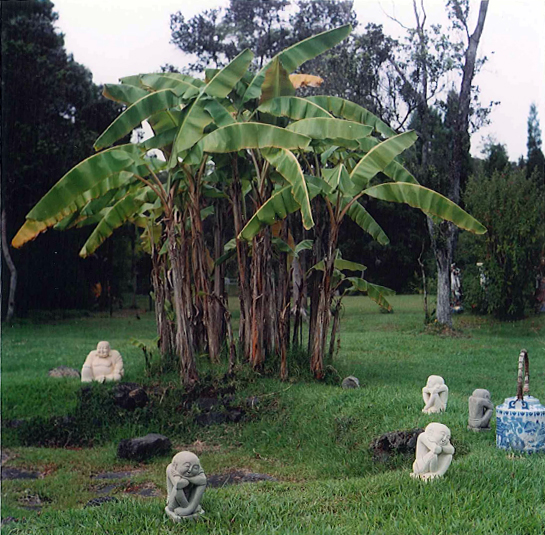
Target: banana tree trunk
pixel 219 271
pixel 161 291
pixel 177 251
pixel 257 313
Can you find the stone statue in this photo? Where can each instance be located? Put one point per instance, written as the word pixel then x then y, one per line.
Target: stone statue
pixel 435 395
pixel 433 452
pixel 480 410
pixel 186 483
pixel 103 364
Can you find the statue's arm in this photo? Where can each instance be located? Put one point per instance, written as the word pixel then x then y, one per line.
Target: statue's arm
pixel 118 366
pixel 429 444
pixel 449 449
pixel 199 479
pixel 86 370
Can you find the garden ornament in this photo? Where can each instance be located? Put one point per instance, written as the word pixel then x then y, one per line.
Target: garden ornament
pixel 433 452
pixel 186 483
pixel 435 395
pixel 480 410
pixel 520 421
pixel 103 364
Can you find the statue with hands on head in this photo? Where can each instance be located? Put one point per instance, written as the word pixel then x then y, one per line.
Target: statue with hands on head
pixel 433 452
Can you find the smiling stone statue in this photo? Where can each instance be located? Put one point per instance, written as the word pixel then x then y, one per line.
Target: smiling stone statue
pixel 433 452
pixel 103 364
pixel 186 483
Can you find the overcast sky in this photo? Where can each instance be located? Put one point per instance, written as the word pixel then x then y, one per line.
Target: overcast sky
pixel 116 38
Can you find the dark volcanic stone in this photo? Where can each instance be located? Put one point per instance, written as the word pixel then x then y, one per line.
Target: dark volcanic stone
pixel 205 404
pixel 64 371
pixel 9 519
pixel 395 442
pixel 142 448
pixel 15 423
pixel 100 501
pixel 210 418
pixel 149 492
pixel 114 475
pixel 350 382
pixel 130 396
pixel 9 472
pixel 235 415
pixel 236 477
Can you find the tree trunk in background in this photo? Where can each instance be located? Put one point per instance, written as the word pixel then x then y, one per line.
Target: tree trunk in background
pixel 133 266
pixel 219 271
pixel 12 270
pixel 177 251
pixel 257 312
pixel 162 293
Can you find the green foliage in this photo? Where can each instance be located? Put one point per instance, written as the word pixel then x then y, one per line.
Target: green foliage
pixel 511 207
pixel 536 160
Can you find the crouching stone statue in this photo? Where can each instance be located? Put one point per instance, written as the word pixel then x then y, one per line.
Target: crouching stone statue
pixel 433 452
pixel 480 410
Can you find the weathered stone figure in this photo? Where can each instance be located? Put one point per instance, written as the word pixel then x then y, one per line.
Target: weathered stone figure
pixel 103 364
pixel 435 395
pixel 186 483
pixel 433 452
pixel 480 410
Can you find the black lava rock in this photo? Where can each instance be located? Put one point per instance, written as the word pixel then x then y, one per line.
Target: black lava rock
pixel 142 448
pixel 130 396
pixel 395 442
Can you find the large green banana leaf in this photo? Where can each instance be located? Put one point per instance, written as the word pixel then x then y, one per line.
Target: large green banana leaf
pixel 158 82
pixel 126 94
pixel 287 165
pixel 197 118
pixel 365 221
pixel 118 214
pixel 32 228
pixel 133 116
pixel 325 128
pixel 219 113
pixel 430 202
pixel 374 291
pixel 353 112
pixel 379 157
pixel 341 264
pixel 294 56
pixel 277 207
pixel 239 136
pixel 293 107
pixel 277 82
pixel 338 179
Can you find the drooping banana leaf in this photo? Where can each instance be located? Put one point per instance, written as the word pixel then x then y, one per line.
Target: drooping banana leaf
pixel 379 158
pixel 118 214
pixel 182 88
pixel 430 202
pixel 287 165
pixel 293 57
pixel 293 107
pixel 353 112
pixel 375 292
pixel 239 136
pixel 133 116
pixel 326 128
pixel 340 264
pixel 365 221
pixel 197 118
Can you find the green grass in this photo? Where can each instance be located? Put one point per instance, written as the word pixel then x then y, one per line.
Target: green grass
pixel 314 438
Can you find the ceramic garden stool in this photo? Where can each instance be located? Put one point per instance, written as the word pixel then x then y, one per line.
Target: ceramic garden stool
pixel 520 421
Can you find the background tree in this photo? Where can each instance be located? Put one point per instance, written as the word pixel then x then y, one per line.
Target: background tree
pixel 536 160
pixel 51 114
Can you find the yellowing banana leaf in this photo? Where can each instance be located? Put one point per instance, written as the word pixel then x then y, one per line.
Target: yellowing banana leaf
pixel 379 157
pixel 430 202
pixel 294 56
pixel 118 214
pixel 197 118
pixel 326 128
pixel 126 94
pixel 374 291
pixel 135 114
pixel 276 83
pixel 287 165
pixel 353 112
pixel 239 136
pixel 305 80
pixel 293 107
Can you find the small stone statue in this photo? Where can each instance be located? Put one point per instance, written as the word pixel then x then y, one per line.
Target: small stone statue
pixel 480 410
pixel 186 483
pixel 103 364
pixel 433 452
pixel 435 395
pixel 350 382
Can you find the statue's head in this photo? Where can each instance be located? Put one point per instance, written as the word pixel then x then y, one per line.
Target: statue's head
pixel 481 393
pixel 438 433
pixel 435 380
pixel 187 464
pixel 103 349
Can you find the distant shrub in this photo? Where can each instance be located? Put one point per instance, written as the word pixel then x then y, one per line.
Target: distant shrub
pixel 512 208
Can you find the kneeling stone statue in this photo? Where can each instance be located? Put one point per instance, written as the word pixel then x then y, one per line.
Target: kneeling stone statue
pixel 480 410
pixel 103 364
pixel 435 395
pixel 186 483
pixel 433 452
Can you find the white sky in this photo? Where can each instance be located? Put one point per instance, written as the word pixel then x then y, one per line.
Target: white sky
pixel 116 38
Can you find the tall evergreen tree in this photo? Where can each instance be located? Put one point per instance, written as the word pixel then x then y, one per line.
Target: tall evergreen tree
pixel 536 160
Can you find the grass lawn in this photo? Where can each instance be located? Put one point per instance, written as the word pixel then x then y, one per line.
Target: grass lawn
pixel 313 438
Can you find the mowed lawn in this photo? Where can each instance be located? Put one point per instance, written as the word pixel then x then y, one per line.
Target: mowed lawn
pixel 312 438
